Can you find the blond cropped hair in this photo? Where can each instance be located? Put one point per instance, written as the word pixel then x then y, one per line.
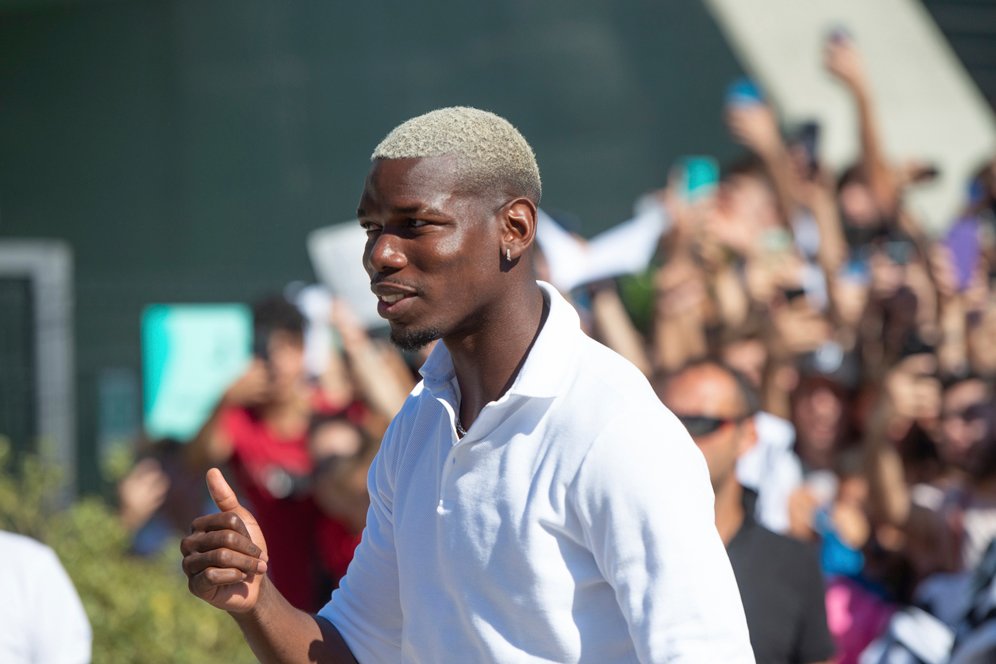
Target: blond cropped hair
pixel 491 152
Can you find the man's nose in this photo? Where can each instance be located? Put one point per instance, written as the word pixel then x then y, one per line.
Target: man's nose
pixel 385 253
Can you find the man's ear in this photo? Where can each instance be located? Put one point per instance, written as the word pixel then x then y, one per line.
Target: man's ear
pixel 748 435
pixel 518 227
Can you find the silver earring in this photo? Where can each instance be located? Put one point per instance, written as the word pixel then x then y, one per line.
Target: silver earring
pixel 508 254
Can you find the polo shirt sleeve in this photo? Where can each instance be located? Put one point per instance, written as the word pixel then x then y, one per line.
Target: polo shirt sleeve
pixel 366 607
pixel 646 505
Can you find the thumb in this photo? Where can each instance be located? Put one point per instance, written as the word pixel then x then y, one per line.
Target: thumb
pixel 221 492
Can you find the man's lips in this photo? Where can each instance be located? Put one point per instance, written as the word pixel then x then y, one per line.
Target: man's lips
pixel 389 294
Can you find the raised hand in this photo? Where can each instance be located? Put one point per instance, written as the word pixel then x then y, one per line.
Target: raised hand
pixel 842 59
pixel 224 556
pixel 251 388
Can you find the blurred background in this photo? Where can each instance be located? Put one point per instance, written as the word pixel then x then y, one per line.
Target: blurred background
pixel 171 153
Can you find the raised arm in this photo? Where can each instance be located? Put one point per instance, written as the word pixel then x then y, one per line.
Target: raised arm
pixel 755 127
pixel 614 327
pixel 909 394
pixel 371 366
pixel 224 558
pixel 843 61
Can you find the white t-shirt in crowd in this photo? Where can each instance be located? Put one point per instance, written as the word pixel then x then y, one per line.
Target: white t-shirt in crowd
pixel 41 617
pixel 772 469
pixel 573 523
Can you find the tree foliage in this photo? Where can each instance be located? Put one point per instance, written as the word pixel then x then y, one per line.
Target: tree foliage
pixel 139 608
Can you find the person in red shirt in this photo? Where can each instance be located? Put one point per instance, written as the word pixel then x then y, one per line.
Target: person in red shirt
pixel 261 427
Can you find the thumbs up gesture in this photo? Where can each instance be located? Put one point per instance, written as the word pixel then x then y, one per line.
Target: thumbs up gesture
pixel 224 556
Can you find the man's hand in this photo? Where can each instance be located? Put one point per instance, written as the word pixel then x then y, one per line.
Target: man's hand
pixel 251 388
pixel 224 557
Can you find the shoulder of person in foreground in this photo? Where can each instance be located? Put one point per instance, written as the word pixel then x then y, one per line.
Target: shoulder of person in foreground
pixel 643 496
pixel 48 623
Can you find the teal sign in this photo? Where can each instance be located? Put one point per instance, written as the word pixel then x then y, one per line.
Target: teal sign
pixel 190 354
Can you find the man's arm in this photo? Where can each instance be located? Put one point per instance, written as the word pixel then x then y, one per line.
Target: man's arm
pixel 645 502
pixel 844 62
pixel 224 558
pixel 279 633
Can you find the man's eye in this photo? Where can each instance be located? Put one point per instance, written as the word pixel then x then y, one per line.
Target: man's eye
pixel 369 226
pixel 417 223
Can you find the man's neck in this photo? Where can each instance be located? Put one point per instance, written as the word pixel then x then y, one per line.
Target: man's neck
pixel 487 362
pixel 729 510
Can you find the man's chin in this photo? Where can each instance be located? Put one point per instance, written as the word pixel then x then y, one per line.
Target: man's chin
pixel 413 340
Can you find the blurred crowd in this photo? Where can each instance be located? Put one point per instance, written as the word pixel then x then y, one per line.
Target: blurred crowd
pixel 867 342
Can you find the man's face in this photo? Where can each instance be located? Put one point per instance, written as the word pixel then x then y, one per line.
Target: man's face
pixel 285 351
pixel 706 400
pixel 433 249
pixel 963 421
pixel 748 200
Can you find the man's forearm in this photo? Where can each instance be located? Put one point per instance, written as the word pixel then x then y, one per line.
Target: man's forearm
pixel 280 634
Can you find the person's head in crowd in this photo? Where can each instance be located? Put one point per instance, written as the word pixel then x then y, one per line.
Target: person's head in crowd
pixel 861 215
pixel 716 405
pixel 434 277
pixel 278 341
pixel 966 402
pixel 744 348
pixel 889 254
pixel 160 483
pixel 747 197
pixel 828 379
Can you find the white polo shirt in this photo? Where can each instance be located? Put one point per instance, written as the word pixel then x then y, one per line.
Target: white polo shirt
pixel 573 523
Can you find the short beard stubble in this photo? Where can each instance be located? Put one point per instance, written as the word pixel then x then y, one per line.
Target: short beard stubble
pixel 413 340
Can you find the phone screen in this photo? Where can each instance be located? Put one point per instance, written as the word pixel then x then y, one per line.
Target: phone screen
pixel 963 242
pixel 699 177
pixel 743 92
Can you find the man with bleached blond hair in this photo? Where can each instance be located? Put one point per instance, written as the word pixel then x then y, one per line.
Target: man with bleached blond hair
pixel 523 508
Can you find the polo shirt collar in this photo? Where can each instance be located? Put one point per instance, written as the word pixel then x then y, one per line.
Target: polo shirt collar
pixel 547 364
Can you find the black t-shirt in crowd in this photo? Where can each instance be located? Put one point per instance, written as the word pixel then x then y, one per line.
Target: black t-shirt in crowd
pixel 783 594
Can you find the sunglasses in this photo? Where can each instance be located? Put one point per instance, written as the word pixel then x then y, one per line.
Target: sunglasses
pixel 700 425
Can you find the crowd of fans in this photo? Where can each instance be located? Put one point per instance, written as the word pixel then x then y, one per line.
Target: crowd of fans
pixel 866 343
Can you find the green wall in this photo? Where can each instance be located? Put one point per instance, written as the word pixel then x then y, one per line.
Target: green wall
pixel 184 149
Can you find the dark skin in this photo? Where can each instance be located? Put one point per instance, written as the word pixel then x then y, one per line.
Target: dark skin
pixel 441 246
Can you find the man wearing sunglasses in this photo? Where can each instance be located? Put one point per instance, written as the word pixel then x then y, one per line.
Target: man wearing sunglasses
pixel 779 578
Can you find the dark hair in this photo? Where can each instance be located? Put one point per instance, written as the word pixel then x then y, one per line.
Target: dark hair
pixel 747 165
pixel 949 380
pixel 274 313
pixel 749 398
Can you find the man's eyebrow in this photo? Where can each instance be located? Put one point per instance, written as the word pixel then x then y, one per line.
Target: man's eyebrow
pixel 408 209
pixel 418 209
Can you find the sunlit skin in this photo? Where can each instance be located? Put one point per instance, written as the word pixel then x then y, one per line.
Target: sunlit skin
pixel 435 254
pixel 709 391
